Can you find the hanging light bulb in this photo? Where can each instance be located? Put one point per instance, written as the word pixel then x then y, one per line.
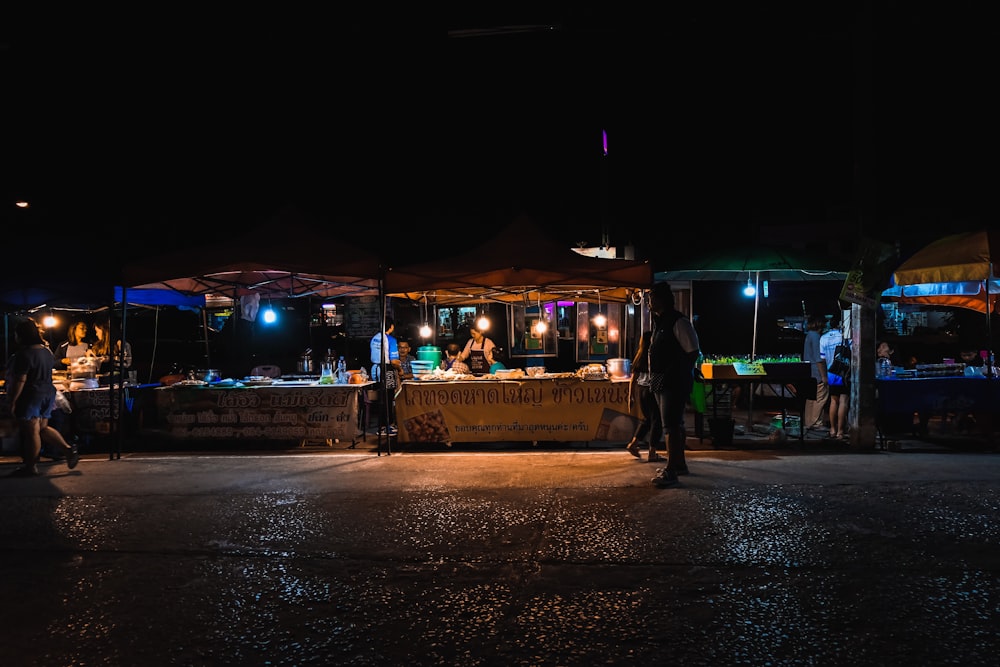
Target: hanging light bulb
pixel 50 321
pixel 599 319
pixel 483 323
pixel 270 317
pixel 749 290
pixel 425 329
pixel 541 325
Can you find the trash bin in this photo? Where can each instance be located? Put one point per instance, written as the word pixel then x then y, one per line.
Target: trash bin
pixel 720 429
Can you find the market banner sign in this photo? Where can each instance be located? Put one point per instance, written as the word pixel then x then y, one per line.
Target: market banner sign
pixel 870 274
pixel 266 413
pixel 562 409
pixel 95 409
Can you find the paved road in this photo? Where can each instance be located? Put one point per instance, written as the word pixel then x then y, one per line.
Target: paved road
pixel 558 557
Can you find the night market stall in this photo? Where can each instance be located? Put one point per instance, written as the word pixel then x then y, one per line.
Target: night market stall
pixel 49 294
pixel 292 257
pixel 773 379
pixel 955 272
pixel 549 294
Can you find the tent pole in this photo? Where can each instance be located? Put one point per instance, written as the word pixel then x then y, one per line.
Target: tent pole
pixel 383 356
pixel 121 373
pixel 204 329
pixel 989 325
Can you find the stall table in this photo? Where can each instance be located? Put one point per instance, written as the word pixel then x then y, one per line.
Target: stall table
pixel 899 399
pixel 784 385
pixel 531 409
pixel 304 411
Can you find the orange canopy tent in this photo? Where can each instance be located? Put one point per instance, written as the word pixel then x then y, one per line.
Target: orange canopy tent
pixel 519 263
pixel 956 270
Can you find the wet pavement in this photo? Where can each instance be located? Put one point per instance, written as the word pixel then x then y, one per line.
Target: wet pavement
pixel 546 556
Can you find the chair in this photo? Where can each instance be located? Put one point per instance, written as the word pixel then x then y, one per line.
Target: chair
pixel 266 371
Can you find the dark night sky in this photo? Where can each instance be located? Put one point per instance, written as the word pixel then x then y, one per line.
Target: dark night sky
pixel 721 121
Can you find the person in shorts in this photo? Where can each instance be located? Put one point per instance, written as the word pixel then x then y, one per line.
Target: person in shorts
pixel 31 396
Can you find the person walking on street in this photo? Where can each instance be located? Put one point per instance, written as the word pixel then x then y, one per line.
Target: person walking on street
pixel 32 397
pixel 673 351
pixel 649 429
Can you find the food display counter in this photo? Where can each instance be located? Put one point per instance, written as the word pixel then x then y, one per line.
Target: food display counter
pixel 305 411
pixel 94 410
pixel 542 408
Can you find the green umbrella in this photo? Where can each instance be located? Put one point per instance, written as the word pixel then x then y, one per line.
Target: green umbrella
pixel 754 263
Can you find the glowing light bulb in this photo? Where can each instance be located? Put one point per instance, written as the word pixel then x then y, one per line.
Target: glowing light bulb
pixel 749 290
pixel 541 326
pixel 50 322
pixel 600 320
pixel 425 331
pixel 270 316
pixel 482 323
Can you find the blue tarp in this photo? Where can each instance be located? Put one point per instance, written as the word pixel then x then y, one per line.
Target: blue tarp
pixel 161 297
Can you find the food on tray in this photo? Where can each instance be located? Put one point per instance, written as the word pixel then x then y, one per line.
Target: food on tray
pixel 592 372
pixel 438 375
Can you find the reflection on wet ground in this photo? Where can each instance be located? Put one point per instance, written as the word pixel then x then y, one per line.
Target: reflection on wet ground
pixel 414 560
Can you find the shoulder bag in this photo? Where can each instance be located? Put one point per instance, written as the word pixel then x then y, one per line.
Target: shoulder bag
pixel 841 364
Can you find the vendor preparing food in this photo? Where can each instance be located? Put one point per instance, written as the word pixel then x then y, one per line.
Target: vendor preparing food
pixel 478 352
pixel 75 345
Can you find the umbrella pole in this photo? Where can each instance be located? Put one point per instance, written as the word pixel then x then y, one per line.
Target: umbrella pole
pixel 753 352
pixel 756 309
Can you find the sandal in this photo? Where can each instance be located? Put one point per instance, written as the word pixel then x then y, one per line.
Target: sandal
pixel 633 449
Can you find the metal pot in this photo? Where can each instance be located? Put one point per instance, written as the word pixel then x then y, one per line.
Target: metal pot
pixel 619 368
pixel 305 364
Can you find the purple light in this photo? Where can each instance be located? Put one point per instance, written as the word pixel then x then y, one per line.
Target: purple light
pixel 604 137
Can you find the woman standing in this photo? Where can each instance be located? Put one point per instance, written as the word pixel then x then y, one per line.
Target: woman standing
pixel 838 385
pixel 102 349
pixel 74 346
pixel 478 352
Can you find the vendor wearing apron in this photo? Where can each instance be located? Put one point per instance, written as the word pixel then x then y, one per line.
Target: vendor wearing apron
pixel 478 353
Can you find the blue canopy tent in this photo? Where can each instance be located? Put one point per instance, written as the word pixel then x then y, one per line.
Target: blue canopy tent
pixel 160 297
